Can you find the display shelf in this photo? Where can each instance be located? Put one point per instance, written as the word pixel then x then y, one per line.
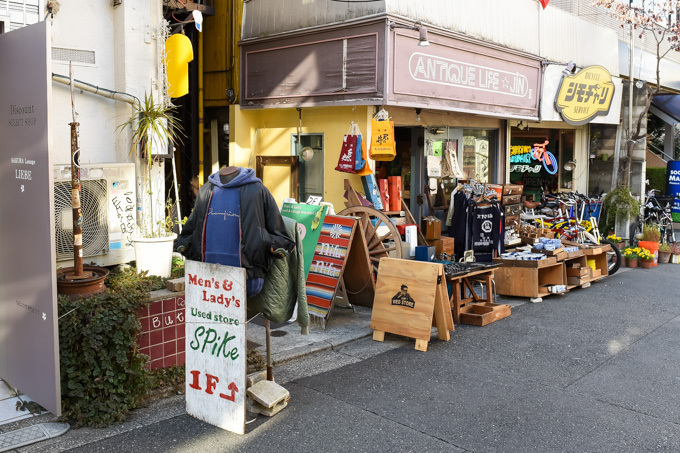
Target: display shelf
pixel 529 278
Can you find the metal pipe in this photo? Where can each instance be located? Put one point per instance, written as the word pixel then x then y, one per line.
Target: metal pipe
pixel 115 95
pixel 75 187
pixel 202 178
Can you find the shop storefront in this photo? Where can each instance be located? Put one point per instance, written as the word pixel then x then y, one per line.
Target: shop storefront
pixel 455 94
pixel 579 117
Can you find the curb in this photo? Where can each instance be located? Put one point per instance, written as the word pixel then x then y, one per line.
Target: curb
pixel 290 355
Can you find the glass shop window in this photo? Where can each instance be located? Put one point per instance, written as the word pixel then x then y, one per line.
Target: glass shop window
pixel 479 154
pixel 537 158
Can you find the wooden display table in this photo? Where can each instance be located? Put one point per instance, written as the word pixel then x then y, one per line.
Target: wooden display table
pixel 469 307
pixel 529 278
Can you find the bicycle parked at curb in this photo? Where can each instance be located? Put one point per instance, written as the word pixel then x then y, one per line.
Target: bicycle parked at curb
pixel 652 213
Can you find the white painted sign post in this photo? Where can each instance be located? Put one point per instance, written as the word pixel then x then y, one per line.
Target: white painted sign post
pixel 216 344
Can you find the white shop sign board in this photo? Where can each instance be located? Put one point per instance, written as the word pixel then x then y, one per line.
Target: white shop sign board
pixel 216 344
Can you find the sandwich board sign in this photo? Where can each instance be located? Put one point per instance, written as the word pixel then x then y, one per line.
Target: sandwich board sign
pixel 216 344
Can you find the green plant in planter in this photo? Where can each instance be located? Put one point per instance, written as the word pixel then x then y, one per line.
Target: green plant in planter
pixel 650 233
pixel 102 372
pixel 675 248
pixel 665 248
pixel 153 127
pixel 619 202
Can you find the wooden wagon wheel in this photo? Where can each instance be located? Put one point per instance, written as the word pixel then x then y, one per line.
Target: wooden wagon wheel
pixel 377 248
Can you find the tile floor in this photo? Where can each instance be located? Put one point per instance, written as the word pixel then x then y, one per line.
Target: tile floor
pixel 8 401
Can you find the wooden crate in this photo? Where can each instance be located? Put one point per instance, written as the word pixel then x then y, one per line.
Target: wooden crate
pixel 483 314
pixel 529 278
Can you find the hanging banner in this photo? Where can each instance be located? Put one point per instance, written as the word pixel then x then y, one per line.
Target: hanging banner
pixel 585 95
pixel 309 219
pixel 216 344
pixel 673 186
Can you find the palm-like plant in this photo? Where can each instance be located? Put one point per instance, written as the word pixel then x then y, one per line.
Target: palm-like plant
pixel 153 127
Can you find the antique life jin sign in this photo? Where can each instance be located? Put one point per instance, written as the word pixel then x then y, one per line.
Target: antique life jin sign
pixel 216 344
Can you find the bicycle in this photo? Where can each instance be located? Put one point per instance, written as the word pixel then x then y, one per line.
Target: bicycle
pixel 544 156
pixel 652 213
pixel 575 227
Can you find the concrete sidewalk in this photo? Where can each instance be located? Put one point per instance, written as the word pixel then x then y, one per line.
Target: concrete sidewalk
pixel 345 341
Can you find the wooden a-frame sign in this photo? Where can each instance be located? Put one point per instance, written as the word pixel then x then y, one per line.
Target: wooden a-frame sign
pixel 339 245
pixel 410 298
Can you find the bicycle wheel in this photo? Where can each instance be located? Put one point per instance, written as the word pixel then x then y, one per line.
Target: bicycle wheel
pixel 635 232
pixel 552 167
pixel 668 233
pixel 613 257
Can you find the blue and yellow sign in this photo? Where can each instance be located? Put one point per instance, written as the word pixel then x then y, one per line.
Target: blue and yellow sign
pixel 585 95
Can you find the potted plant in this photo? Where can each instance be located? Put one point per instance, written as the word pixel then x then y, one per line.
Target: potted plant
pixel 618 207
pixel 153 128
pixel 646 258
pixel 675 253
pixel 650 240
pixel 631 255
pixel 664 253
pixel 618 241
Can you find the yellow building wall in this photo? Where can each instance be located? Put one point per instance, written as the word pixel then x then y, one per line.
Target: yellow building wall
pixel 267 132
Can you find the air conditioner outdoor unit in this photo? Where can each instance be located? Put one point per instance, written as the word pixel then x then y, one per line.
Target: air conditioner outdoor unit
pixel 109 208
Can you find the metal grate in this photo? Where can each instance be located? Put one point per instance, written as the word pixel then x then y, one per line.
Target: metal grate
pixel 74 55
pixel 93 200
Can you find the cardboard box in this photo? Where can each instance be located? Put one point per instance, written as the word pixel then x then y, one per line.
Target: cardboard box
pixel 431 227
pixel 576 281
pixel 584 271
pixel 546 233
pixel 442 245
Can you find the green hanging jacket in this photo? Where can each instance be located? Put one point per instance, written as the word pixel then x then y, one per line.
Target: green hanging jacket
pixel 284 285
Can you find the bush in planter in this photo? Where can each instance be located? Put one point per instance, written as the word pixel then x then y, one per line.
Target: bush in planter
pixel 102 372
pixel 650 233
pixel 619 202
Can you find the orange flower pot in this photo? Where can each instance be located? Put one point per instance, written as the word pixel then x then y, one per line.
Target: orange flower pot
pixel 652 247
pixel 646 264
pixel 631 262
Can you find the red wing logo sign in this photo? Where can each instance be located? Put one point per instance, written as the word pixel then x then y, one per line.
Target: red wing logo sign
pixel 544 3
pixel 403 298
pixel 585 95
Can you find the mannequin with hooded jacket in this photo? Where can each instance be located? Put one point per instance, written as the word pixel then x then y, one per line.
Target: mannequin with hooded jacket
pixel 235 222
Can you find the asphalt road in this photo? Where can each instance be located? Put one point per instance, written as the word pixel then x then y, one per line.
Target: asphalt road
pixel 596 370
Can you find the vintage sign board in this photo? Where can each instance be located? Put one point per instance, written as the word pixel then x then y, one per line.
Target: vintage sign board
pixel 411 297
pixel 29 349
pixel 216 344
pixel 585 95
pixel 328 263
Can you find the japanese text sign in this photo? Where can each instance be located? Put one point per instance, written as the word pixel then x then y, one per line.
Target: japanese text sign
pixel 585 95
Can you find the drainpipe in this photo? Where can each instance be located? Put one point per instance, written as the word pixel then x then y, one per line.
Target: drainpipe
pixel 201 151
pixel 115 95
